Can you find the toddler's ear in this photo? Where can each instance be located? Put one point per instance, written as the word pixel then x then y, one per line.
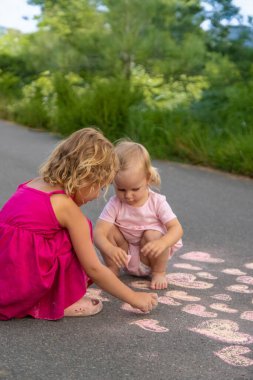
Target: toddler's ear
pixel 149 177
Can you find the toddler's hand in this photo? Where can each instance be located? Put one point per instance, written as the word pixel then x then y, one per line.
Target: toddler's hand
pixel 119 257
pixel 145 301
pixel 153 248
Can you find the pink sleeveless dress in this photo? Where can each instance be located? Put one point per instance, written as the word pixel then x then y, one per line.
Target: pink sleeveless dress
pixel 40 274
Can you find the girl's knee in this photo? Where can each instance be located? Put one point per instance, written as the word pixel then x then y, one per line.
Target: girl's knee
pixel 115 234
pixel 150 235
pixel 111 265
pixel 116 238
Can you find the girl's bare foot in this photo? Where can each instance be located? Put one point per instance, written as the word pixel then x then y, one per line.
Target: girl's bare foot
pixel 159 281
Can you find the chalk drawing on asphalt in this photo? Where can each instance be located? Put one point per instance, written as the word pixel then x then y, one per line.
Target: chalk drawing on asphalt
pixel 201 256
pixel 233 271
pixel 215 328
pixel 181 295
pixel 199 310
pixel 206 275
pixel 150 325
pixel 187 280
pixel 233 355
pixel 223 307
pixel 187 266
pixel 224 331
pixel 222 297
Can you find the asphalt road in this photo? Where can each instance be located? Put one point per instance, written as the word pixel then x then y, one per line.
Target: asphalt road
pixel 202 328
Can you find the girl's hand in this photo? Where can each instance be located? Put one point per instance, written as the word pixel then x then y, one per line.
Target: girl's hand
pixel 145 301
pixel 153 248
pixel 119 257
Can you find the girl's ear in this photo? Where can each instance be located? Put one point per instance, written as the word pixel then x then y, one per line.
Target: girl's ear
pixel 148 177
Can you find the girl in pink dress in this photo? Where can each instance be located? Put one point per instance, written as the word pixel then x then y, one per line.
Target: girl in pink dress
pixel 137 229
pixel 47 259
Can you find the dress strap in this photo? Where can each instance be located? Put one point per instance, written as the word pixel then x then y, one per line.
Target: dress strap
pixel 24 183
pixel 57 192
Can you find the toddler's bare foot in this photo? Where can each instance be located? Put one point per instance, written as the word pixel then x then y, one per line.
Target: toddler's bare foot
pixel 159 280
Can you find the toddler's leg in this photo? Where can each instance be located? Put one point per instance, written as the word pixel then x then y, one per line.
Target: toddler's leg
pixel 116 238
pixel 158 264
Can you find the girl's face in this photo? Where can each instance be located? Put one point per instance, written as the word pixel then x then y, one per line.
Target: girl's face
pixel 85 195
pixel 131 187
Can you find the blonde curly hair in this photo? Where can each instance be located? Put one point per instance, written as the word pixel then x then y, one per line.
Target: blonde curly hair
pixel 132 154
pixel 83 160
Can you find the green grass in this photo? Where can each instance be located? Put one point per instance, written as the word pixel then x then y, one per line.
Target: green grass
pixel 120 111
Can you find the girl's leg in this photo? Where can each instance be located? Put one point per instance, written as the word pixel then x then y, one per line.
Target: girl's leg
pixel 116 238
pixel 158 264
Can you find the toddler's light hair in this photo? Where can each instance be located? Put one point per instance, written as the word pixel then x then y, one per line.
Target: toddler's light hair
pixel 83 160
pixel 132 155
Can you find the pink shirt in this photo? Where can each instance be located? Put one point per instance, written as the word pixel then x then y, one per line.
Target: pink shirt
pixel 132 221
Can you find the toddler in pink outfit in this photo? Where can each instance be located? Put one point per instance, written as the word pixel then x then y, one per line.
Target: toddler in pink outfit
pixel 137 229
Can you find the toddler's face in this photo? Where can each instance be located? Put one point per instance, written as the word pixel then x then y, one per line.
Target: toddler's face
pixel 131 187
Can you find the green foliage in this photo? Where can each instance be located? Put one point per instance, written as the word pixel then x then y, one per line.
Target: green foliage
pixel 32 113
pixel 37 103
pixel 159 93
pixel 9 84
pixel 236 155
pixel 142 69
pixel 105 103
pixel 9 88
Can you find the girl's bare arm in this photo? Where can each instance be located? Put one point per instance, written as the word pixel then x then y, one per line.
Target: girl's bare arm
pixel 70 216
pixel 173 234
pixel 101 232
pixel 171 237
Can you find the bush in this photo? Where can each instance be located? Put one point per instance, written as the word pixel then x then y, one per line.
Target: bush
pixel 104 103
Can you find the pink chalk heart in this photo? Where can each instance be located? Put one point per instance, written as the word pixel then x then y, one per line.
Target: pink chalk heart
pixel 224 331
pixel 140 284
pixel 245 280
pixel 248 315
pixel 187 280
pixel 222 297
pixel 131 309
pixel 150 325
pixel 249 265
pixel 233 271
pixel 233 355
pixel 206 275
pixel 239 289
pixel 181 295
pixel 198 310
pixel 187 266
pixel 201 256
pixel 223 307
pixel 168 301
pixel 96 293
